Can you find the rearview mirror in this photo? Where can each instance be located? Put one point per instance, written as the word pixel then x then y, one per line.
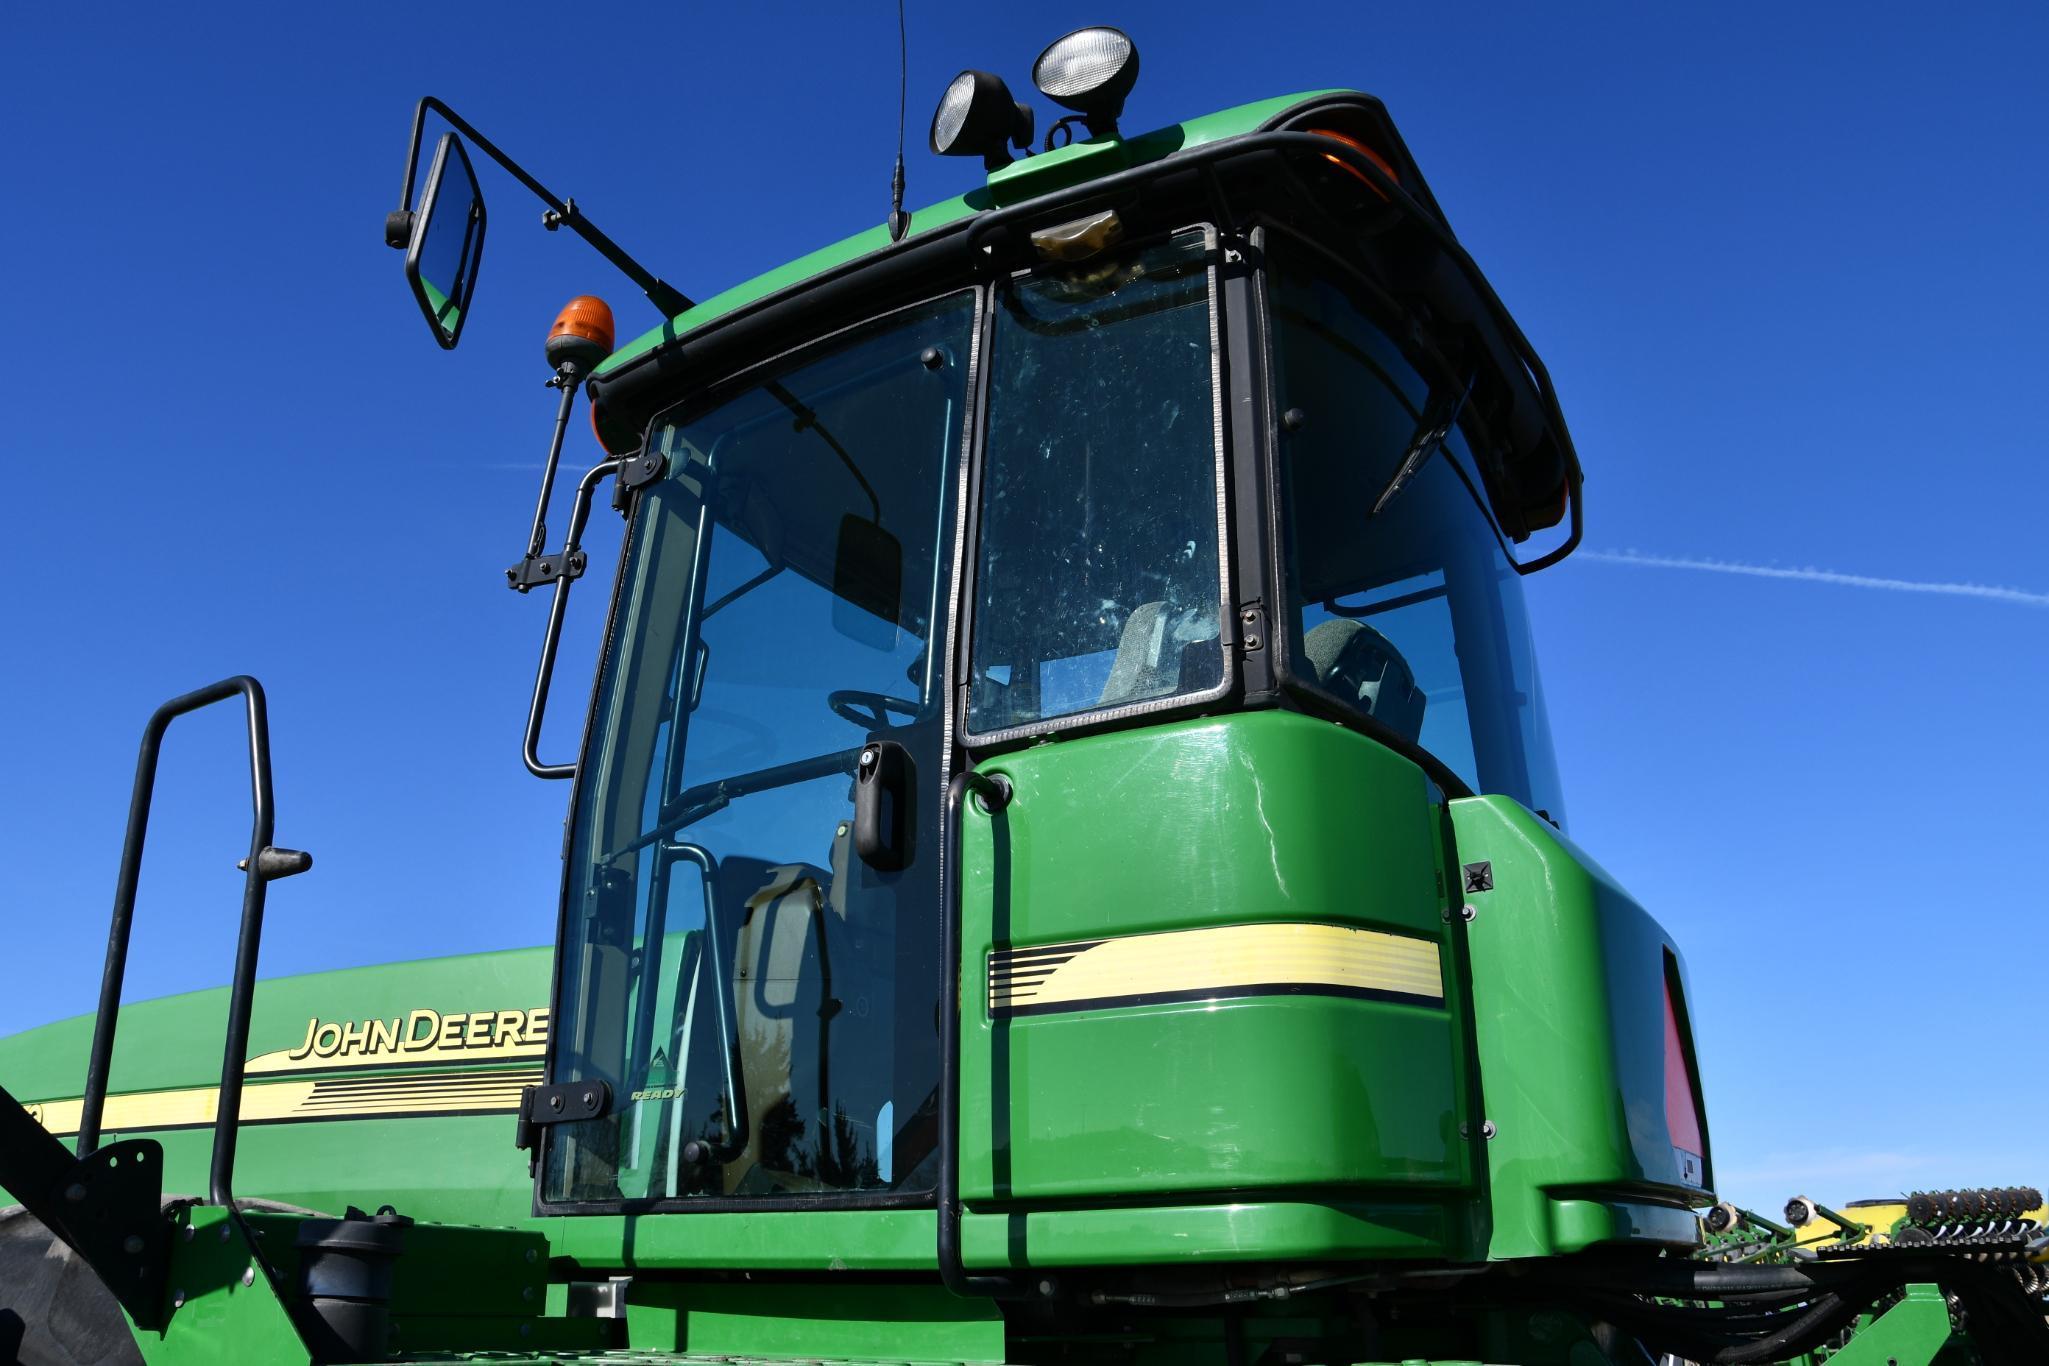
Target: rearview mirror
pixel 447 242
pixel 867 583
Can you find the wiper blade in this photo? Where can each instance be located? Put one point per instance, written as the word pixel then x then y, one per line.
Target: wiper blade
pixel 706 799
pixel 748 587
pixel 807 421
pixel 1430 435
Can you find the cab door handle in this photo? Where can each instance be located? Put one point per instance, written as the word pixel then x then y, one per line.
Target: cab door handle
pixel 884 783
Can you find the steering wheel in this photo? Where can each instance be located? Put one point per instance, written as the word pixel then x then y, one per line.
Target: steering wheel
pixel 869 710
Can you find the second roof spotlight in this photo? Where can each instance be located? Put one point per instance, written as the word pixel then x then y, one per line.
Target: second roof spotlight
pixel 1089 71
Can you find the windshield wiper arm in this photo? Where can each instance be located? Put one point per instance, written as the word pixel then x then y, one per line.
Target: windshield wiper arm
pixel 748 587
pixel 694 804
pixel 1430 435
pixel 807 421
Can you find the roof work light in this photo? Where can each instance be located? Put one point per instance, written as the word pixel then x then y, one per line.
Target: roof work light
pixel 978 117
pixel 1090 71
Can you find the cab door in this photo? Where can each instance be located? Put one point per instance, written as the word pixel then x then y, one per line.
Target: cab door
pixel 751 917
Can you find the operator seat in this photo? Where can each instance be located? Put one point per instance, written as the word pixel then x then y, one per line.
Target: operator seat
pixel 1154 659
pixel 808 946
pixel 1363 667
pixel 782 1011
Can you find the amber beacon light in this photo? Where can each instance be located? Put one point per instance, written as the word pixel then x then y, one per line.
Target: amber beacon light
pixel 582 334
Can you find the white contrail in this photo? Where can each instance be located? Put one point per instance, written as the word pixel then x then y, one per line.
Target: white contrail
pixel 1767 571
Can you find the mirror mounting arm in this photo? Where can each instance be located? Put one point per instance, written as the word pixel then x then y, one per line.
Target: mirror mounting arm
pixel 398 225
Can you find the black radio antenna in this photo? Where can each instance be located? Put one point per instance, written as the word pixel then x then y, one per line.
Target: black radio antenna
pixel 899 221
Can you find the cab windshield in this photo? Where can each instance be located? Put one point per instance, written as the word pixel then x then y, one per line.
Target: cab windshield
pixel 758 1000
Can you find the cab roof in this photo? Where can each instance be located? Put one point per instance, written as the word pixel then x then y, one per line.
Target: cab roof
pixel 1019 181
pixel 1245 158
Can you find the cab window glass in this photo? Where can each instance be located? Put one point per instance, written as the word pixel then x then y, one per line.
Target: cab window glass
pixel 1098 583
pixel 1404 605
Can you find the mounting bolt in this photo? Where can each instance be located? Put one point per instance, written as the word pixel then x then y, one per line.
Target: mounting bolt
pixel 1252 642
pixel 555 1102
pixel 1468 913
pixel 249 1274
pixel 177 1299
pixel 190 1233
pixel 132 1244
pixel 931 358
pixel 1292 420
pixel 1248 616
pixel 531 1255
pixel 224 1233
pixel 590 1099
pixel 1487 1129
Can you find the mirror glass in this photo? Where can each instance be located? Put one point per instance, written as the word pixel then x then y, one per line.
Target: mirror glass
pixel 867 583
pixel 448 241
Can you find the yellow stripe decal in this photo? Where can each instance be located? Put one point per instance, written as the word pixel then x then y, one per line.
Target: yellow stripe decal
pixel 393 1093
pixel 1286 958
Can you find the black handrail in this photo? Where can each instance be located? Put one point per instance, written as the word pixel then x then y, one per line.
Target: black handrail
pixel 263 865
pixel 537 703
pixel 994 790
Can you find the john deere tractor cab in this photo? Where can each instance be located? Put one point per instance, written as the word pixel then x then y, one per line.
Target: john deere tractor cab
pixel 1126 503
pixel 828 610
pixel 1065 859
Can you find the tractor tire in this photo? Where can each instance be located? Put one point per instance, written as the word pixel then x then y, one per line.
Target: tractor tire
pixel 53 1309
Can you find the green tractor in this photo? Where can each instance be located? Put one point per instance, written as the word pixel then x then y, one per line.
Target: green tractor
pixel 1065 862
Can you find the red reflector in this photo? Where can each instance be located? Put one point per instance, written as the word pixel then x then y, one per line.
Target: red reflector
pixel 1682 1115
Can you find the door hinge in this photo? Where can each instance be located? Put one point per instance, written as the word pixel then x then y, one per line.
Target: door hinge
pixel 1252 626
pixel 540 1106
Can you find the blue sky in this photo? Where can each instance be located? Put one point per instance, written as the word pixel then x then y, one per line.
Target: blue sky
pixel 1785 264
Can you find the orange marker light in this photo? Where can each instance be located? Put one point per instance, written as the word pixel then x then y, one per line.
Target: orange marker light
pixel 1376 158
pixel 582 334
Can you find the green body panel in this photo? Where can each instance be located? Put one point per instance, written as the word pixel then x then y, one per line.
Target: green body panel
pixel 835 1241
pixel 209 1259
pixel 175 1040
pixel 863 1321
pixel 1222 1231
pixel 1021 180
pixel 779 1240
pixel 451 1167
pixel 1568 977
pixel 459 1169
pixel 452 1289
pixel 1266 816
